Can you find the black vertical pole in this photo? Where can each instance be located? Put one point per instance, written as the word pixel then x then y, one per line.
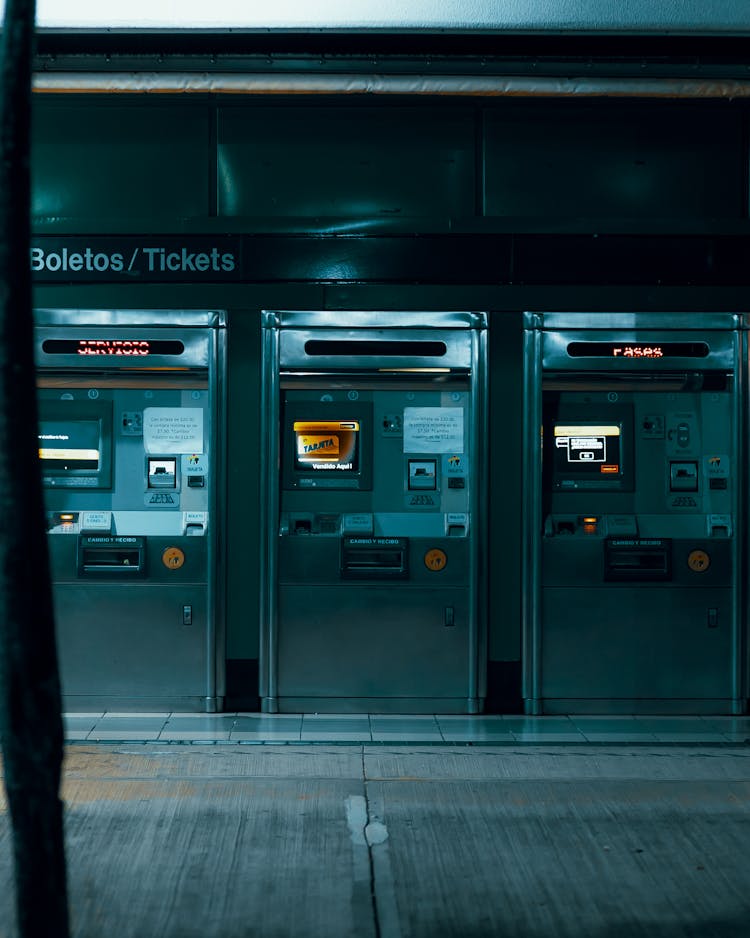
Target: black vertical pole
pixel 30 721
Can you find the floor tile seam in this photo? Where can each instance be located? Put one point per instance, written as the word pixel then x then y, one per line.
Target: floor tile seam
pixel 543 738
pixel 449 717
pixel 212 779
pixel 568 780
pixel 565 785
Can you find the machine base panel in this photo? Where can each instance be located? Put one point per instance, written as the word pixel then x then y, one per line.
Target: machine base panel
pixel 623 707
pixel 424 705
pixel 89 703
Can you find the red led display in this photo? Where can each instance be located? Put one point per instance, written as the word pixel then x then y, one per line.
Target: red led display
pixel 132 348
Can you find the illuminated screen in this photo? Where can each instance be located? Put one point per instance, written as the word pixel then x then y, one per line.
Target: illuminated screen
pixel 68 445
pixel 75 443
pixel 327 445
pixel 589 449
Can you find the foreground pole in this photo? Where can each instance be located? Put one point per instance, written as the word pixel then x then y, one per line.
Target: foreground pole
pixel 30 722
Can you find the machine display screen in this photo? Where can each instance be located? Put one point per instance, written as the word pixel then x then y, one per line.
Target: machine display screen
pixel 66 445
pixel 327 445
pixel 587 450
pixel 75 443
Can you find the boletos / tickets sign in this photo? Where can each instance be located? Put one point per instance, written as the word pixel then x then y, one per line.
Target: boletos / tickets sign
pixel 135 258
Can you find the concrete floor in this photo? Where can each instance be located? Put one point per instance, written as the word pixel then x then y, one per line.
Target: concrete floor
pixel 529 841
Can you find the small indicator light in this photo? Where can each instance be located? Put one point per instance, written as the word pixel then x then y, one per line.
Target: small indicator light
pixel 591 520
pixel 607 468
pixel 67 517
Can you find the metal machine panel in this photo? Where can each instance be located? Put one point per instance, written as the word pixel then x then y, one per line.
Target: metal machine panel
pixel 373 561
pixel 633 490
pixel 373 319
pixel 637 645
pixel 638 351
pixel 130 406
pixel 138 649
pixel 373 641
pixel 362 349
pixel 624 322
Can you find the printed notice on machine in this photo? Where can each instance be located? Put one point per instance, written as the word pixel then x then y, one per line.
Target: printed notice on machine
pixel 173 429
pixel 433 430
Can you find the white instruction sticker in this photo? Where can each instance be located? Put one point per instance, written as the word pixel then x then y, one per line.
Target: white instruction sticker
pixel 173 429
pixel 96 520
pixel 433 429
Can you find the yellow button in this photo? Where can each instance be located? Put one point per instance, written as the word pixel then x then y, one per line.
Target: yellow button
pixel 173 558
pixel 698 561
pixel 435 559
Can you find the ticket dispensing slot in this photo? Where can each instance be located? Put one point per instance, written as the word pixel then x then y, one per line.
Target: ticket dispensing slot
pixel 637 559
pixel 162 473
pixel 422 474
pixel 374 558
pixel 683 477
pixel 111 556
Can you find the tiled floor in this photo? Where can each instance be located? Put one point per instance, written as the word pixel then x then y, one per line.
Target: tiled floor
pixel 382 728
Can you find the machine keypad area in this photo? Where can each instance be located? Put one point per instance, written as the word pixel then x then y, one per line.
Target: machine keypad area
pixel 128 461
pixel 389 462
pixel 673 460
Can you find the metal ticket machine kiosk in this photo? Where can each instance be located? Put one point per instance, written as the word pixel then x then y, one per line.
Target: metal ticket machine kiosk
pixel 632 504
pixel 375 459
pixel 129 415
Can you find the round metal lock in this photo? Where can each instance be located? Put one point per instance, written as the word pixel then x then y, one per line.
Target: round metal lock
pixel 698 561
pixel 435 559
pixel 173 558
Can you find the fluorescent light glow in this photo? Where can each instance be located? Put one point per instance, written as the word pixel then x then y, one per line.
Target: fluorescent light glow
pixel 639 16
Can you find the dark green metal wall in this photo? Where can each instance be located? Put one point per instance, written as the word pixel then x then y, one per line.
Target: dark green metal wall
pixel 141 164
pixel 112 161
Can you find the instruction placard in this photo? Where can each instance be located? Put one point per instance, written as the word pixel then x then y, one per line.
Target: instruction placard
pixel 433 429
pixel 173 429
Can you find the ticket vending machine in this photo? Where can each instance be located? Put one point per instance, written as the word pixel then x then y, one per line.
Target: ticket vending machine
pixel 633 470
pixel 129 416
pixel 375 450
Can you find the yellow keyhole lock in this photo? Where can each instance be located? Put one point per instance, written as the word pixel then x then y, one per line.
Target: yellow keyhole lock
pixel 435 559
pixel 698 561
pixel 173 558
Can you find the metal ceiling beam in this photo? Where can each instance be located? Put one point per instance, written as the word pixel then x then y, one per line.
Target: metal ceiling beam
pixel 375 84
